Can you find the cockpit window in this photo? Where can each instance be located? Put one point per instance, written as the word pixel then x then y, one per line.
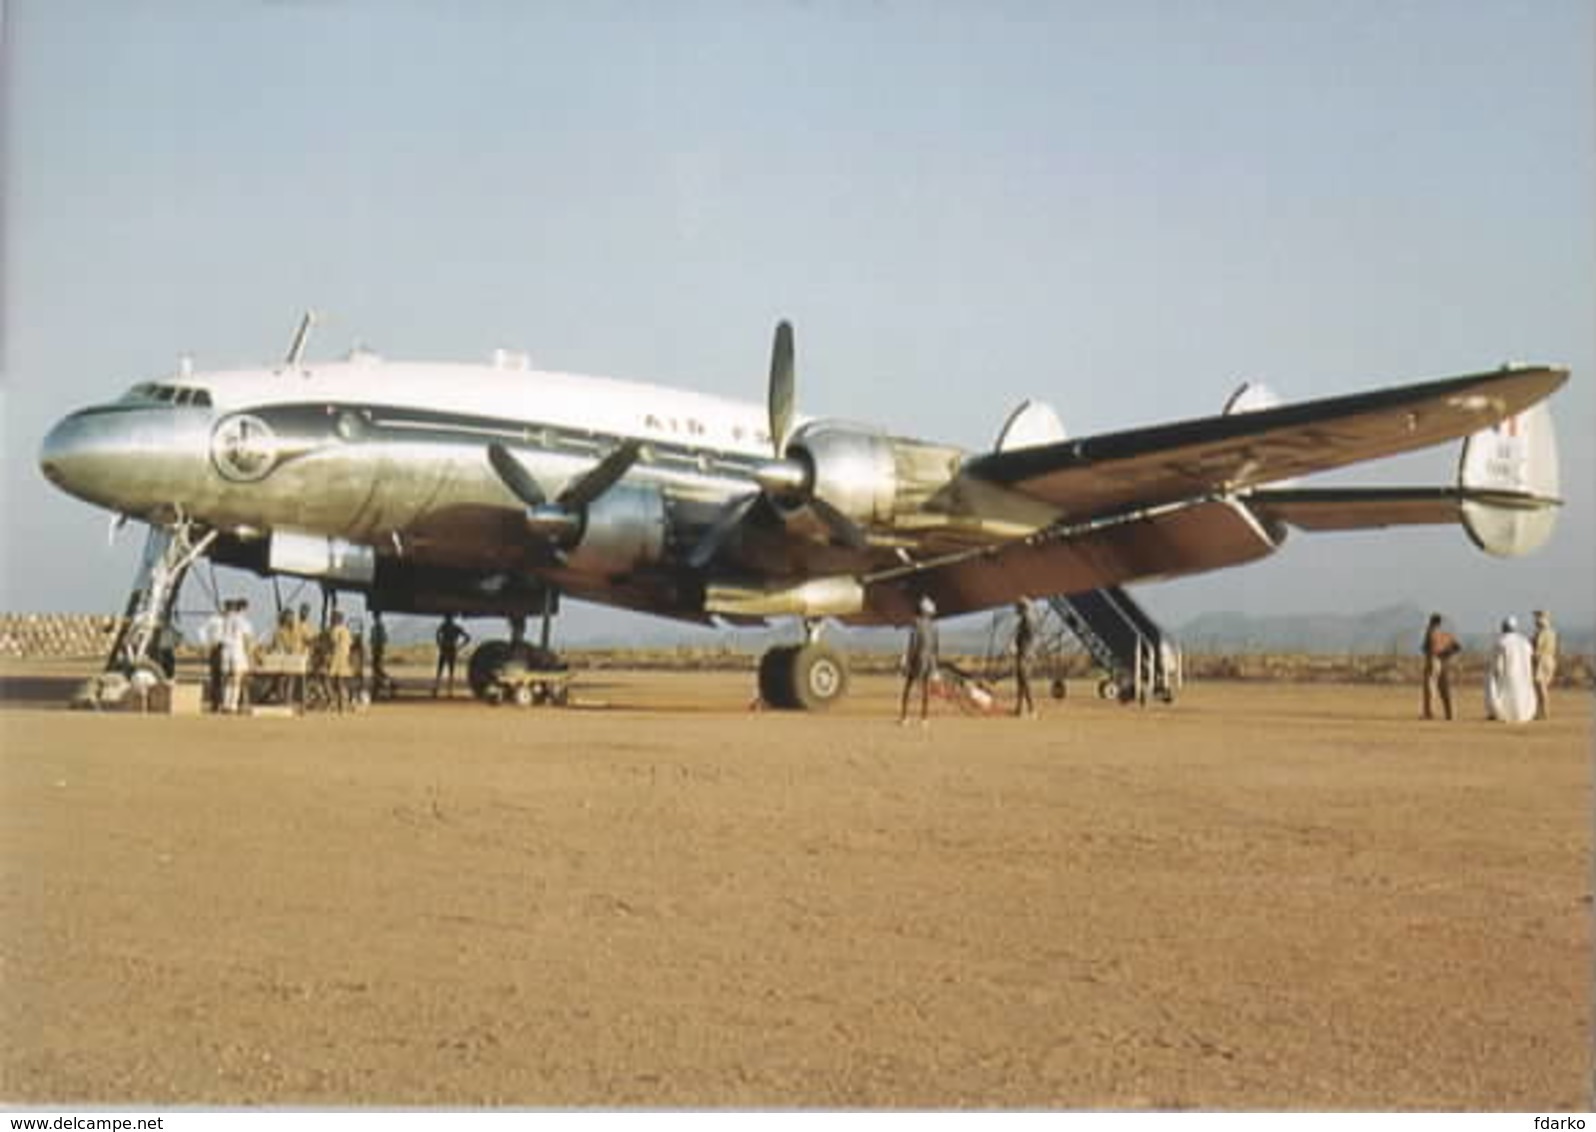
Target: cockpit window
pixel 148 392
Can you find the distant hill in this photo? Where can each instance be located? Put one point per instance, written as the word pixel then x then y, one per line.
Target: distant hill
pixel 1394 631
pixel 1390 631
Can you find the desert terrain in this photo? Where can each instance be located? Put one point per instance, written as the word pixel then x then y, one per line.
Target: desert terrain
pixel 1264 896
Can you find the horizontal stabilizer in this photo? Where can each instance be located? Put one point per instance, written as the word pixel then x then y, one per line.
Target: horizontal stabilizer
pixel 1361 508
pixel 1506 495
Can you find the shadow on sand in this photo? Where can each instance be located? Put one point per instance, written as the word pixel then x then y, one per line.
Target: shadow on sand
pixel 36 692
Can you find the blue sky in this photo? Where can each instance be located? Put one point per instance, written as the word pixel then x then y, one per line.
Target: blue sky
pixel 1124 209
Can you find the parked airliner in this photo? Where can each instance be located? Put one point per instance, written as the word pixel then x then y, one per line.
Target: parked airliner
pixel 491 489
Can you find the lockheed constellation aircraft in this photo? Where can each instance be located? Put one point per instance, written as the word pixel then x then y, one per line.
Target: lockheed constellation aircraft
pixel 492 489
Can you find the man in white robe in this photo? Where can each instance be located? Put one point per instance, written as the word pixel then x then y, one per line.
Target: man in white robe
pixel 1510 677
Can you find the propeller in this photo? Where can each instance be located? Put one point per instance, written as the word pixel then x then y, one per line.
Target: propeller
pixel 784 477
pixel 779 400
pixel 562 520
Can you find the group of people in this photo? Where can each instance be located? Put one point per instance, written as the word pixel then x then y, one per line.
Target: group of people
pixel 920 659
pixel 1518 676
pixel 335 657
pixel 229 641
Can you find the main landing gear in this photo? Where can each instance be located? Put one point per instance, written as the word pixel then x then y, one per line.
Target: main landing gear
pixel 492 660
pixel 808 677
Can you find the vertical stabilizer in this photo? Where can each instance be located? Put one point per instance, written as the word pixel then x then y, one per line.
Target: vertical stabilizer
pixel 1509 477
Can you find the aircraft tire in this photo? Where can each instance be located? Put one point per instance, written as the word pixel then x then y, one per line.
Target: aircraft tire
pixel 775 676
pixel 487 661
pixel 818 677
pixel 147 672
pixel 1059 689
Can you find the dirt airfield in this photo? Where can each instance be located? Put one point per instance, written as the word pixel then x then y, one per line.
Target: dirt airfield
pixel 1267 896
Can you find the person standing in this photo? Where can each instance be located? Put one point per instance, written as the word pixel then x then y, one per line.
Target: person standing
pixel 1024 642
pixel 285 637
pixel 304 631
pixel 1510 679
pixel 238 640
pixel 284 643
pixel 357 663
pixel 449 637
pixel 1544 646
pixel 210 636
pixel 381 682
pixel 1439 648
pixel 920 660
pixel 338 646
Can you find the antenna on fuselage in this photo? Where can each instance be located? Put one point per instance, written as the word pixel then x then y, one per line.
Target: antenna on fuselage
pixel 296 350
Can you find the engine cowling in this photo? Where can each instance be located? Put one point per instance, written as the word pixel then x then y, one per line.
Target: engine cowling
pixel 867 475
pixel 619 531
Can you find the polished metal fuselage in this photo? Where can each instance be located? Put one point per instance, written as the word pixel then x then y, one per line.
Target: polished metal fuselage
pixel 393 457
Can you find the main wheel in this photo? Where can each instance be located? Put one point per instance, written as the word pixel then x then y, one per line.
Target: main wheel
pixel 775 676
pixel 487 661
pixel 819 677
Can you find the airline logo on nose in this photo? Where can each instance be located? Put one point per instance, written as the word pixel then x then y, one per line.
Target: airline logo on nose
pixel 243 447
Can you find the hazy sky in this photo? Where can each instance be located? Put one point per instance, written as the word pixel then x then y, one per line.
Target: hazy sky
pixel 1122 208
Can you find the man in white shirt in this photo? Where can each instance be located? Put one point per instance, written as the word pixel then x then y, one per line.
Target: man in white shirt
pixel 237 641
pixel 210 638
pixel 1509 680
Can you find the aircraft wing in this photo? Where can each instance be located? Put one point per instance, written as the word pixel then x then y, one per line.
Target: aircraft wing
pixel 1161 542
pixel 1185 498
pixel 1114 473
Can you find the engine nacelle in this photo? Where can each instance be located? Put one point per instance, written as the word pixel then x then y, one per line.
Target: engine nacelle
pixel 867 475
pixel 620 530
pixel 849 467
pixel 317 556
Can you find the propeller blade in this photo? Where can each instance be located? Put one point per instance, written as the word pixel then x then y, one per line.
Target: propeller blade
pixel 515 476
pixel 715 537
pixel 844 529
pixel 781 388
pixel 601 477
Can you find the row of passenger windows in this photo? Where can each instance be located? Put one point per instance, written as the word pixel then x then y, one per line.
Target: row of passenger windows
pixel 169 394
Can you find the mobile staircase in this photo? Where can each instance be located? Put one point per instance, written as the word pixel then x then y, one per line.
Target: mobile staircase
pixel 1141 660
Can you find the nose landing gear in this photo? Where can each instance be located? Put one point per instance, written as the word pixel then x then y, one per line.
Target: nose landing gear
pixel 141 656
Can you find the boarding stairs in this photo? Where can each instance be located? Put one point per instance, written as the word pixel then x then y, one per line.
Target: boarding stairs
pixel 1141 660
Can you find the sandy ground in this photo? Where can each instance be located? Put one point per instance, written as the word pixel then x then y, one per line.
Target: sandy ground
pixel 1264 897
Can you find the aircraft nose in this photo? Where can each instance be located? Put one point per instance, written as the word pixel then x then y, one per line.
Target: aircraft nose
pixel 79 456
pixel 58 452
